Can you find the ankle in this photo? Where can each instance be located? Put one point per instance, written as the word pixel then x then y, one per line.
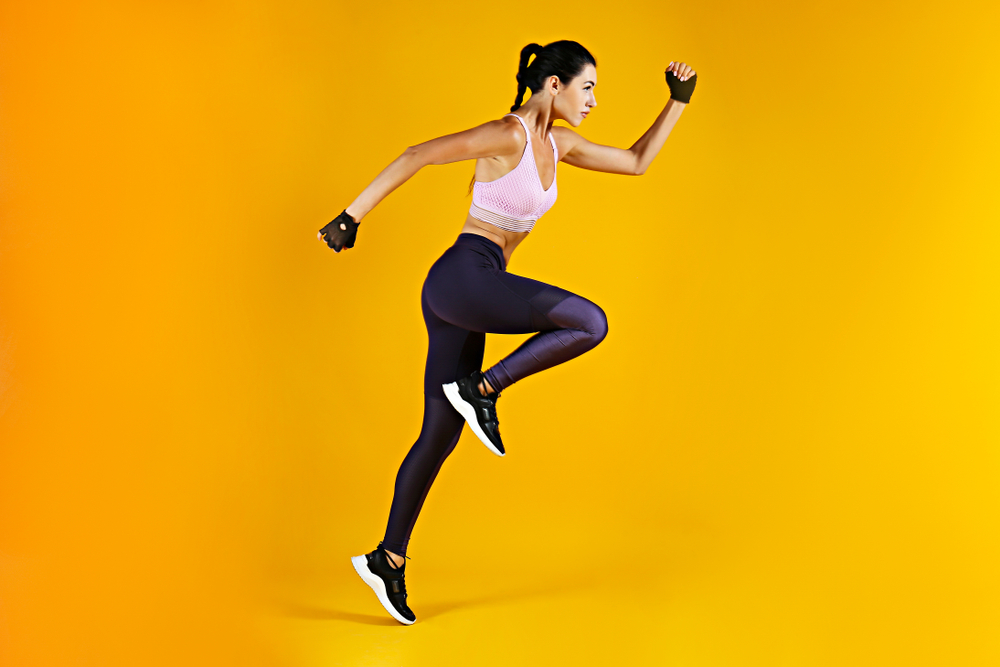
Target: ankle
pixel 485 388
pixel 395 560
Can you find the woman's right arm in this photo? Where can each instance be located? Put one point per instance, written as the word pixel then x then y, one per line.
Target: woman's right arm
pixel 496 137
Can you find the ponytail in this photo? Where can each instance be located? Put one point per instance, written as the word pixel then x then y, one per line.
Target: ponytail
pixel 522 71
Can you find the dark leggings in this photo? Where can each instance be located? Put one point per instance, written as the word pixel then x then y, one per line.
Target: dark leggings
pixel 467 294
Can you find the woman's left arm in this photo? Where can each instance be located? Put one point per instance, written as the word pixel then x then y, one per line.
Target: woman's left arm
pixel 635 160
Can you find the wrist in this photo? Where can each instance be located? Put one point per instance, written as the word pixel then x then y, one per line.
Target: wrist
pixel 353 214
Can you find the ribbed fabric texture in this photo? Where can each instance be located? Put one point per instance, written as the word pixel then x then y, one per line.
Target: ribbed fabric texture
pixel 516 200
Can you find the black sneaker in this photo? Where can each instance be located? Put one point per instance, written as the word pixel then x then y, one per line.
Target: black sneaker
pixel 479 411
pixel 387 582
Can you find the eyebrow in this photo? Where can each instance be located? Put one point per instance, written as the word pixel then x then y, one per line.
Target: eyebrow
pixel 591 83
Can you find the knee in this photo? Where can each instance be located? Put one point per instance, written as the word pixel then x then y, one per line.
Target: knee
pixel 581 315
pixel 596 324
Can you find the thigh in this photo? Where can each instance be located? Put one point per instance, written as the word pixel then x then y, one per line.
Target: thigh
pixel 540 297
pixel 452 352
pixel 466 290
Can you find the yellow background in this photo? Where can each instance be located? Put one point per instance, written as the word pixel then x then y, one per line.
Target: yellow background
pixel 784 453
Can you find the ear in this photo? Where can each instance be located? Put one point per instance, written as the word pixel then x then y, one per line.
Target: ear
pixel 554 84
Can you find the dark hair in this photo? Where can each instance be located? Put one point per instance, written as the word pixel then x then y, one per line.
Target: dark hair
pixel 565 59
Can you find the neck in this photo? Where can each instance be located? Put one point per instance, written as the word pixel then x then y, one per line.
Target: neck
pixel 538 118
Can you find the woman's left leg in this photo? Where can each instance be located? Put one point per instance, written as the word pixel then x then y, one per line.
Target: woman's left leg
pixel 565 324
pixel 577 325
pixel 491 300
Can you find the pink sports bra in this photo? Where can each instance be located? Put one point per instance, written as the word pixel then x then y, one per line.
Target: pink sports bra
pixel 516 200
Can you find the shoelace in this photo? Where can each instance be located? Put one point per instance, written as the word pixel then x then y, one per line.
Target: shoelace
pixel 388 558
pixel 482 380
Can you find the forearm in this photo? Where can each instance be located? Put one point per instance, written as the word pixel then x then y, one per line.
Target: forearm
pixel 398 172
pixel 649 144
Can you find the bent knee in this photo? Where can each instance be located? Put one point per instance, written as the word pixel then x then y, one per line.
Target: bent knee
pixel 597 324
pixel 601 330
pixel 583 315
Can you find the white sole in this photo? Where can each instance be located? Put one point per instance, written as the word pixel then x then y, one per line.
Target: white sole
pixel 467 411
pixel 361 567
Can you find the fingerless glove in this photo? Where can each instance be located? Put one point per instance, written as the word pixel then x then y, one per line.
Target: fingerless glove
pixel 338 238
pixel 681 90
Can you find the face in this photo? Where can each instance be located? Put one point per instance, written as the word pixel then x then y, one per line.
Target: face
pixel 577 99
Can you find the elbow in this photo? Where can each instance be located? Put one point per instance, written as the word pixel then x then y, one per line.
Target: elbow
pixel 638 168
pixel 415 155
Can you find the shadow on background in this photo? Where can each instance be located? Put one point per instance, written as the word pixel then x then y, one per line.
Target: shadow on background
pixel 292 609
pixel 310 611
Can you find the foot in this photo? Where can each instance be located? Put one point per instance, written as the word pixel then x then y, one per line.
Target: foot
pixel 479 411
pixel 376 570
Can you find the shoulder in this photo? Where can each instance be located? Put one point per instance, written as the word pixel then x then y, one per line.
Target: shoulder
pixel 512 126
pixel 506 129
pixel 507 135
pixel 566 139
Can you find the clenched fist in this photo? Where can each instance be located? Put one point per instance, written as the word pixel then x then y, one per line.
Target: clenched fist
pixel 340 232
pixel 681 82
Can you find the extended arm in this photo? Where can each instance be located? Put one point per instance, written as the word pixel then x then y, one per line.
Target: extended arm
pixel 636 159
pixel 632 161
pixel 649 144
pixel 492 138
pixel 398 172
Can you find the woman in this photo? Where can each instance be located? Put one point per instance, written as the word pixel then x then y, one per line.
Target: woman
pixel 468 292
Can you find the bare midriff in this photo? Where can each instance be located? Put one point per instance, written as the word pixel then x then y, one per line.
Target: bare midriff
pixel 506 240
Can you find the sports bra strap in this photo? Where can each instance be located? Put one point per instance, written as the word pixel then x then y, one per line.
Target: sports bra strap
pixel 523 124
pixel 552 139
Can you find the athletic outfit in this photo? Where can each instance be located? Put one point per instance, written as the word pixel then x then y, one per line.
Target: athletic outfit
pixel 467 294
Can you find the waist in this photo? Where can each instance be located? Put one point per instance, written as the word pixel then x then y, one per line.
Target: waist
pixel 483 244
pixel 506 240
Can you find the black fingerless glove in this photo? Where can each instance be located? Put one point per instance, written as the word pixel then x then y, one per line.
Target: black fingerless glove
pixel 338 238
pixel 681 90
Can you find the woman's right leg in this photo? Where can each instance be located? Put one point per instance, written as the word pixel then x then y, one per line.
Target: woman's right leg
pixel 450 350
pixel 439 434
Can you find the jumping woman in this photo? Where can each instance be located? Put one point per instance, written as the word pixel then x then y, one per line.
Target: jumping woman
pixel 469 293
